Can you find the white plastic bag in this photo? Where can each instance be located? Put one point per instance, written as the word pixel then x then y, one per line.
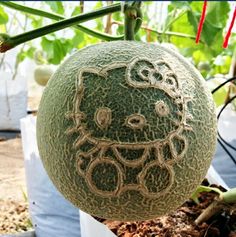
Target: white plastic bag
pixel 92 228
pixel 52 215
pixel 13 101
pixel 214 178
pixel 222 162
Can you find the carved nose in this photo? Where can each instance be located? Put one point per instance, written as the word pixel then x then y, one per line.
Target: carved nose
pixel 135 121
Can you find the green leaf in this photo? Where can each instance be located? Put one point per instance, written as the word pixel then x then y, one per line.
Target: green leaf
pixel 201 189
pixel 180 4
pixel 217 13
pixel 196 6
pixel 174 16
pixel 220 96
pixel 76 11
pixel 77 39
pixel 36 22
pixel 47 47
pixel 100 25
pixel 117 16
pixel 3 16
pixel 59 52
pixel 56 6
pixel 182 25
pixel 202 54
pixel 99 4
pixel 56 49
pixel 211 36
pixel 216 17
pixel 22 55
pixel 209 31
pixel 30 52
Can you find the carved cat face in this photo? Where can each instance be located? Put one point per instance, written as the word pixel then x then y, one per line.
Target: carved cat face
pixel 131 122
pixel 140 104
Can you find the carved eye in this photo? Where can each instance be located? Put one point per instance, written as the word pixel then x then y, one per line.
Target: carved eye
pixel 103 117
pixel 162 109
pixel 135 121
pixel 144 73
pixel 171 80
pixel 157 76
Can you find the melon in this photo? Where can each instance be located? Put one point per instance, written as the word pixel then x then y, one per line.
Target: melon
pixel 126 130
pixel 42 74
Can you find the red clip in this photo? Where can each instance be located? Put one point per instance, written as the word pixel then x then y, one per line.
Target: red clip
pixel 202 19
pixel 226 40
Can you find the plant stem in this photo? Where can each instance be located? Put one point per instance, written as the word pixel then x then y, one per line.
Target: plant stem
pixel 2 60
pixel 6 29
pixel 108 20
pixel 130 15
pixel 33 34
pixel 133 19
pixel 58 17
pixel 229 196
pixel 177 34
pixel 214 208
pixel 81 4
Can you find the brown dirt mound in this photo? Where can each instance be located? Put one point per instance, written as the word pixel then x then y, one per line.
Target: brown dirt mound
pixel 179 223
pixel 14 217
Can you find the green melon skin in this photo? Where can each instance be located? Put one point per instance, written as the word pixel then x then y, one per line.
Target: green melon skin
pixel 126 130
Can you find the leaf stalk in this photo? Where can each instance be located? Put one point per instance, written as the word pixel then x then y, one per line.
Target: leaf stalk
pixel 57 17
pixel 9 42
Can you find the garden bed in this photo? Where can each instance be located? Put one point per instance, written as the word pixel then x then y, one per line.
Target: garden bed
pixel 179 223
pixel 14 217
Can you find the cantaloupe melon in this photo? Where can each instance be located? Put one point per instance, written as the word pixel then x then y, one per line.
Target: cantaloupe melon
pixel 42 74
pixel 126 130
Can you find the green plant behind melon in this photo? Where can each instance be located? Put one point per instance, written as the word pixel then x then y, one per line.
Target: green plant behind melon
pixel 126 130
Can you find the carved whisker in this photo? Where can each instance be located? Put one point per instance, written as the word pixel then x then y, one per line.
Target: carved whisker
pixel 179 113
pixel 81 140
pixel 189 117
pixel 188 99
pixel 188 127
pixel 72 130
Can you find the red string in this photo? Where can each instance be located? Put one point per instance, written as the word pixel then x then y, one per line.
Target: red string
pixel 226 40
pixel 200 25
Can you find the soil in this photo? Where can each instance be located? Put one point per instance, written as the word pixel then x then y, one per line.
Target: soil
pixel 179 223
pixel 14 217
pixel 14 214
pixel 12 174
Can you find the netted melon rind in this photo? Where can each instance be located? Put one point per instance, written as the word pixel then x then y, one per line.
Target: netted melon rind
pixel 79 135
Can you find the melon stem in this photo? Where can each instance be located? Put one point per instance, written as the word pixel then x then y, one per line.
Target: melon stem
pixel 133 19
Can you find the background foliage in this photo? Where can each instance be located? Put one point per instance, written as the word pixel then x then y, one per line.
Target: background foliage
pixel 179 27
